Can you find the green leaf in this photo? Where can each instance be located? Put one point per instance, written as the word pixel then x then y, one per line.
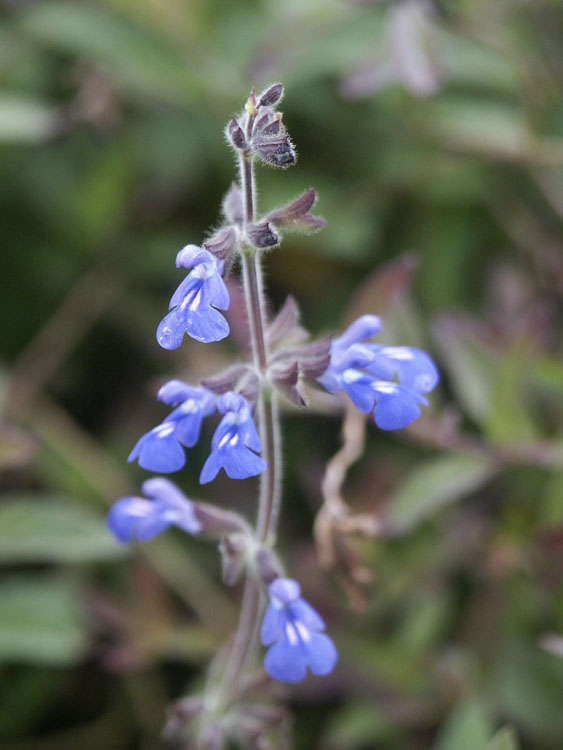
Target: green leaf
pixel 45 529
pixel 527 688
pixel 505 739
pixel 132 57
pixel 40 621
pixel 435 484
pixel 469 364
pixel 25 120
pixel 466 728
pixel 355 725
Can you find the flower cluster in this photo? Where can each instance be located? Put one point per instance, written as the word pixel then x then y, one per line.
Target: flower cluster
pixel 367 372
pixel 293 631
pixel 234 444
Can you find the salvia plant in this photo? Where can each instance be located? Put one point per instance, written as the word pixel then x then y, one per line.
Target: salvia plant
pixel 234 707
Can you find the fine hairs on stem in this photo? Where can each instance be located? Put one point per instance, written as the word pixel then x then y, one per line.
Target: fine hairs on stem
pixel 239 705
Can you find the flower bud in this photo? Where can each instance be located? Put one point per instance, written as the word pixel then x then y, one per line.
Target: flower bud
pixel 276 153
pixel 272 95
pixel 262 235
pixel 232 207
pixel 236 135
pixel 268 565
pixel 233 549
pixel 222 244
pixel 239 377
pixel 295 216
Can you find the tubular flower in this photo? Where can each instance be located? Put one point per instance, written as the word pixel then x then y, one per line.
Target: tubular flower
pixel 193 304
pixel 235 442
pixel 367 372
pixel 162 449
pixel 293 630
pixel 138 518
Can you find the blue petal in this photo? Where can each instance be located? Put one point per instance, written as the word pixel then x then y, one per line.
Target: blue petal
pixel 210 468
pixel 189 428
pixel 121 521
pixel 240 463
pixel 151 526
pixel 396 407
pixel 164 492
pixel 365 327
pixel 191 255
pixel 175 392
pixel 171 329
pixel 357 355
pixel 322 654
pixel 285 662
pixel 272 625
pixel 206 325
pixel 231 401
pixel 187 289
pixel 331 379
pixel 414 368
pixel 285 590
pixel 159 450
pixel 359 387
pixel 303 612
pixel 218 293
pixel 250 435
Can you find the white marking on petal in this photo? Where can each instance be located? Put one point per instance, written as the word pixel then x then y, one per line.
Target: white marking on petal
pixel 139 507
pixel 291 634
pixel 191 406
pixel 303 631
pixel 163 430
pixel 195 303
pixel 382 387
pixel 397 352
pixel 351 376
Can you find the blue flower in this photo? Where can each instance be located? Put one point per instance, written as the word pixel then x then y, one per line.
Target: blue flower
pixel 162 449
pixel 137 518
pixel 367 373
pixel 234 441
pixel 292 629
pixel 193 303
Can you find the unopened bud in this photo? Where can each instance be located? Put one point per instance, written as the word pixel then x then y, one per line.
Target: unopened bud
pixel 217 521
pixel 222 244
pixel 268 565
pixel 262 235
pixel 233 549
pixel 295 216
pixel 286 379
pixel 236 135
pixel 233 207
pixel 272 95
pixel 240 378
pixel 277 153
pixel 285 326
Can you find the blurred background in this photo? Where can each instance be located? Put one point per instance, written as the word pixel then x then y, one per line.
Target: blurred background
pixel 434 136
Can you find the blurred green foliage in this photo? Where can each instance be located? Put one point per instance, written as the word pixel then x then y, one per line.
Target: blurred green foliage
pixel 441 138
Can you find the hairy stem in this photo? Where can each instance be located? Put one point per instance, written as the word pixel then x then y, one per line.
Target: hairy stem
pixel 268 504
